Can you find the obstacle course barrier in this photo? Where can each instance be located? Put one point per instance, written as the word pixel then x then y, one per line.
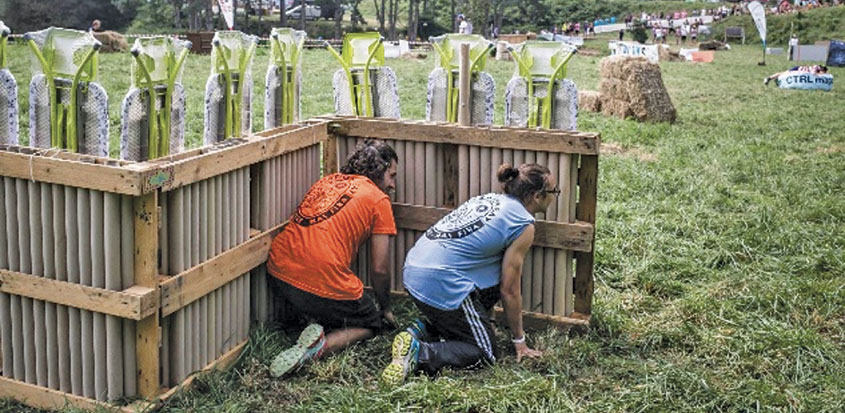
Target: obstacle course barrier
pixel 8 94
pixel 228 91
pixel 441 166
pixel 284 77
pixel 67 108
pixel 539 93
pixel 442 98
pixel 97 254
pixel 153 122
pixel 121 279
pixel 364 86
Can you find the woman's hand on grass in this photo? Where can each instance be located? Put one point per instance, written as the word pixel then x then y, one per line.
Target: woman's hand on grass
pixel 522 350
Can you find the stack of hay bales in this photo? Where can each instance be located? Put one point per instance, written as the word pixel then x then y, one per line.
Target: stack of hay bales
pixel 633 87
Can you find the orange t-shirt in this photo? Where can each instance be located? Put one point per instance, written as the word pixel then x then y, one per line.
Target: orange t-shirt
pixel 314 251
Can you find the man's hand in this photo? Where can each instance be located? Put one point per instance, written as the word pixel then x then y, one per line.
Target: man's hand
pixel 389 319
pixel 522 350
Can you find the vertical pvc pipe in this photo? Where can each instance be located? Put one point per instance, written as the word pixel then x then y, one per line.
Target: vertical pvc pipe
pixel 195 335
pixel 127 271
pixel 463 174
pixel 485 165
pixel 114 282
pixel 227 219
pixel 227 305
pixel 73 268
pixel 14 228
pixel 195 224
pixel 188 227
pixel 210 326
pixel 98 271
pixel 573 194
pixel 496 160
pixel 176 224
pixel 48 320
pixel 266 204
pixel 218 217
pixel 83 209
pixel 276 189
pixel 32 309
pixel 203 326
pixel 218 328
pixel 562 273
pixel 474 171
pixel 61 312
pixel 5 299
pixel 204 221
pixel 239 206
pixel 189 339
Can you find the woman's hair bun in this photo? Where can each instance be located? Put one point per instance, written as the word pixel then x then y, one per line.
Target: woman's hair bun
pixel 507 173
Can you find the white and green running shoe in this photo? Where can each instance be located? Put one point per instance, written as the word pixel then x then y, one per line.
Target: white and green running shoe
pixel 309 345
pixel 405 351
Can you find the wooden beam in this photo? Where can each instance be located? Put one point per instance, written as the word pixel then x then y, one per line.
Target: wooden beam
pixel 44 398
pixel 134 303
pixel 585 211
pixel 196 282
pixel 222 363
pixel 539 321
pixel 530 319
pixel 172 172
pixel 331 163
pixel 148 334
pixel 64 168
pixel 577 236
pixel 495 137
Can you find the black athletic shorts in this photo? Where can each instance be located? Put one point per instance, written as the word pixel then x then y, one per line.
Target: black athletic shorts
pixel 331 314
pixel 469 323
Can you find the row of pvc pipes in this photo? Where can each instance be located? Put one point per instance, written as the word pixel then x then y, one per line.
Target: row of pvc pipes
pixel 80 236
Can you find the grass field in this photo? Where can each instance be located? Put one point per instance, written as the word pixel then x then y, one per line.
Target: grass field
pixel 720 266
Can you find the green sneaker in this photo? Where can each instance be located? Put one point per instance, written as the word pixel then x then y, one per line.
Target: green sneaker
pixel 405 351
pixel 308 346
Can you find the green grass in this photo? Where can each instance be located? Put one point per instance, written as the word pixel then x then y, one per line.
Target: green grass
pixel 720 255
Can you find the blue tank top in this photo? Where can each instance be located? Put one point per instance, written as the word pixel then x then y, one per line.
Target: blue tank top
pixel 464 250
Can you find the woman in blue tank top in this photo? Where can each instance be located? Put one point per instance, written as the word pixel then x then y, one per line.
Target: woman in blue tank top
pixel 461 267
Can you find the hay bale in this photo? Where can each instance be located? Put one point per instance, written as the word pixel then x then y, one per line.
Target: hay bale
pixel 616 107
pixel 647 95
pixel 589 100
pixel 634 87
pixel 112 42
pixel 613 88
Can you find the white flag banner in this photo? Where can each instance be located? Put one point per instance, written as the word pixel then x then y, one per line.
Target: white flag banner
pixel 228 12
pixel 758 13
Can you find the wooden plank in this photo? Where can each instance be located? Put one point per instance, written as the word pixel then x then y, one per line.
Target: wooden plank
pixel 148 334
pixel 330 159
pixel 195 283
pixel 495 137
pixel 44 398
pixel 464 91
pixel 133 303
pixel 231 154
pixel 222 363
pixel 585 211
pixel 576 236
pixel 530 320
pixel 64 168
pixel 539 321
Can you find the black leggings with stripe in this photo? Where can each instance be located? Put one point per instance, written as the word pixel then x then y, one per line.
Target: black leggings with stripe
pixel 468 338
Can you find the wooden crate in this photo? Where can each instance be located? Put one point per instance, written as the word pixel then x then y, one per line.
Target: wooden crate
pixel 158 291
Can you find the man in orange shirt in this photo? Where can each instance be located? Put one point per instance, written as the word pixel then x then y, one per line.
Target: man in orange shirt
pixel 310 259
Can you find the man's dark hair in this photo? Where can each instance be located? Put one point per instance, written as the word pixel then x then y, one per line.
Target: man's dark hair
pixel 371 159
pixel 524 181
